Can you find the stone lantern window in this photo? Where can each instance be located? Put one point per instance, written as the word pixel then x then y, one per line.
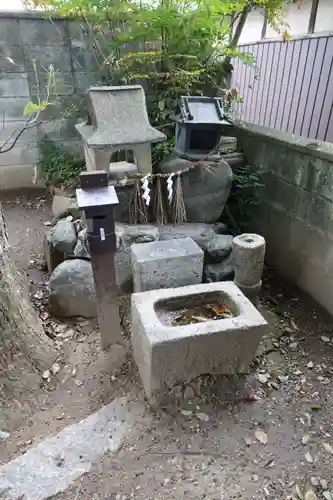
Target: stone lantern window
pixel 199 127
pixel 118 122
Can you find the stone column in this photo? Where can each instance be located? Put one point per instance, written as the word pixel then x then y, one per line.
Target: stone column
pixel 249 254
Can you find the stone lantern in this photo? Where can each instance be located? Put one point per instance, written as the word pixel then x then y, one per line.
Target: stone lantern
pixel 199 127
pixel 118 121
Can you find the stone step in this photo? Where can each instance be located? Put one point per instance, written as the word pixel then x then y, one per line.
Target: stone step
pixel 55 463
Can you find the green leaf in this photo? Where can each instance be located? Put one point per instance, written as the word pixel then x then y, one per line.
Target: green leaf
pixel 30 109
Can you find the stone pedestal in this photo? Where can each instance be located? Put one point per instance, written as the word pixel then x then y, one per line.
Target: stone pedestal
pixel 249 255
pixel 166 264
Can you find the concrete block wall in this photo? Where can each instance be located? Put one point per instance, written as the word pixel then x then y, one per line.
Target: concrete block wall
pixel 26 37
pixel 295 213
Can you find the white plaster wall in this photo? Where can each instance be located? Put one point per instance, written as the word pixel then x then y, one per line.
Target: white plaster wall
pixel 253 26
pixel 324 21
pixel 296 18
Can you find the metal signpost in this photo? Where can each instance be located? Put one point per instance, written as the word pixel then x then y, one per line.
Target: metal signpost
pixel 97 200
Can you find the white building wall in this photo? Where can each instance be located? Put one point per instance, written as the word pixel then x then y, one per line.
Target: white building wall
pixel 296 18
pixel 253 26
pixel 324 21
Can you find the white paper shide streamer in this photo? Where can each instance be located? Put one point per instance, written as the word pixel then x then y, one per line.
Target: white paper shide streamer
pixel 146 190
pixel 170 188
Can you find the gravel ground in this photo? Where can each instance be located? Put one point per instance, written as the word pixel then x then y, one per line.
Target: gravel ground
pixel 270 437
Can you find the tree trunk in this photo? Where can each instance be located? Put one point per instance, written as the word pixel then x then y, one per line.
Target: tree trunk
pixel 21 331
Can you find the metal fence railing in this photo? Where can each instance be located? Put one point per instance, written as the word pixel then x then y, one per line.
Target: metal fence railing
pixel 291 88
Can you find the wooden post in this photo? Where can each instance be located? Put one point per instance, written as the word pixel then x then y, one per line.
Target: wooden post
pixel 97 199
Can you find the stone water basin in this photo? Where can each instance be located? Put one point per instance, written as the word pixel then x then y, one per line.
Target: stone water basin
pixel 168 353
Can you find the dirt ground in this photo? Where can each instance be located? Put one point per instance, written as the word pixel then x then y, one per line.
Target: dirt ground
pixel 271 437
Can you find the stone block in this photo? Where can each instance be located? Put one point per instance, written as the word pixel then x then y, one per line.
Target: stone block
pixel 43 32
pixel 14 85
pixel 11 58
pixel 58 55
pixel 10 31
pixel 85 80
pixel 79 32
pixel 12 107
pixel 21 154
pixel 17 177
pixel 63 83
pixel 166 264
pixel 167 355
pixel 127 235
pixel 60 129
pixel 11 129
pixel 83 58
pixel 201 233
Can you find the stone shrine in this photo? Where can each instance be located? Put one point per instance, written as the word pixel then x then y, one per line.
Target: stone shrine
pixel 118 122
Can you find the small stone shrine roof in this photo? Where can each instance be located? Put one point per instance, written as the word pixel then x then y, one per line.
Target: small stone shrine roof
pixel 117 117
pixel 199 110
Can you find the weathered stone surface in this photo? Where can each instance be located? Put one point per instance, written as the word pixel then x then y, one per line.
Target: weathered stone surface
pixel 166 264
pixel 71 289
pixel 63 236
pixel 167 354
pixel 14 85
pixel 52 257
pixel 249 253
pixel 218 248
pixel 54 464
pixel 128 234
pixel 221 271
pixel 3 436
pixel 205 190
pixel 81 249
pixel 62 202
pixel 199 232
pixel 137 233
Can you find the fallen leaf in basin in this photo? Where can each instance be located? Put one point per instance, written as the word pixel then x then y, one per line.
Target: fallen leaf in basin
pixel 327 495
pixel 309 457
pixel 261 436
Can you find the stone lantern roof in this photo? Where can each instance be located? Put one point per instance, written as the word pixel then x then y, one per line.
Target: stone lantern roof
pixel 117 118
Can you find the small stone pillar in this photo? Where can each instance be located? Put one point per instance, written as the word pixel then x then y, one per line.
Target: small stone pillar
pixel 249 255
